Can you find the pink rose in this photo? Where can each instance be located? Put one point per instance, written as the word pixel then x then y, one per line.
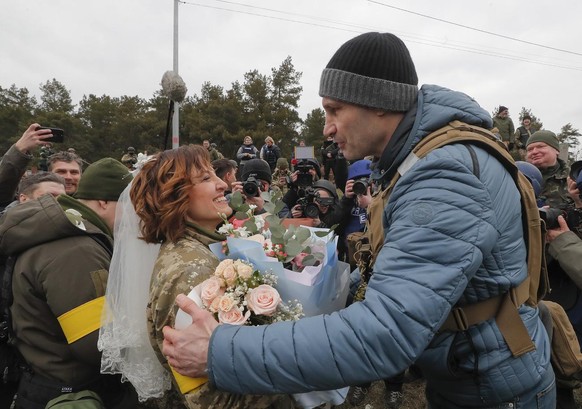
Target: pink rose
pixel 210 289
pixel 263 300
pixel 222 265
pixel 243 269
pixel 233 317
pixel 298 259
pixel 226 303
pixel 237 223
pixel 229 274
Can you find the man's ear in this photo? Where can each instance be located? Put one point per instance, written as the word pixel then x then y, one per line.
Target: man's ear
pixel 103 204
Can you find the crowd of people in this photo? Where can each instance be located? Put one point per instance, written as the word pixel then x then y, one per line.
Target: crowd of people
pixel 444 228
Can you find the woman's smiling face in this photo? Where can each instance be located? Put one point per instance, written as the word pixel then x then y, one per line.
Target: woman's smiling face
pixel 207 201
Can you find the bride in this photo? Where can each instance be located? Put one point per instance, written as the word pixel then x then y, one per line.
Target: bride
pixel 161 250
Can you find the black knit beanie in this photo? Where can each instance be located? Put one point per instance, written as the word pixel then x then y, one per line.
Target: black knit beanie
pixel 257 168
pixel 373 70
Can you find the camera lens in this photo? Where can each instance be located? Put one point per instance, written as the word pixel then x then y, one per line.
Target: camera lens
pixel 251 187
pixel 360 187
pixel 311 210
pixel 550 217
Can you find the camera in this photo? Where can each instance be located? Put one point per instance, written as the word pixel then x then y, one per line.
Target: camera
pixel 572 216
pixel 304 177
pixel 360 186
pixel 251 187
pixel 307 203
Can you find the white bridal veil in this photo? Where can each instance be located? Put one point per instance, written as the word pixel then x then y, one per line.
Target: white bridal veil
pixel 123 338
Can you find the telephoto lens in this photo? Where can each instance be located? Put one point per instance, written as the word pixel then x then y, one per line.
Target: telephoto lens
pixel 360 186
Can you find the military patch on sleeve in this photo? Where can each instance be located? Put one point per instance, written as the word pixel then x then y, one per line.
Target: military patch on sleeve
pixel 422 213
pixel 76 218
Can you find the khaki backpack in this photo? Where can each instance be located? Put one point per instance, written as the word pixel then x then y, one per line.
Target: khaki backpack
pixel 503 307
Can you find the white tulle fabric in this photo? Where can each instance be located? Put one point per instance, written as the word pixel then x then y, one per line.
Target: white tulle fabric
pixel 123 338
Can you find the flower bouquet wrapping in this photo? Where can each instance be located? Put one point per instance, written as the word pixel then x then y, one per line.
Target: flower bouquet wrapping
pixel 304 262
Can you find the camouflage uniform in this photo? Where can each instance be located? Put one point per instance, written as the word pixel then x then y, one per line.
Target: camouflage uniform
pixel 280 179
pixel 129 159
pixel 180 267
pixel 555 192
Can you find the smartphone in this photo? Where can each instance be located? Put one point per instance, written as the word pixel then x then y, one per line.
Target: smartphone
pixel 58 134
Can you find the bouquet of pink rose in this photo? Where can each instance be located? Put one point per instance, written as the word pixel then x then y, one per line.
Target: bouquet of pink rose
pixel 237 294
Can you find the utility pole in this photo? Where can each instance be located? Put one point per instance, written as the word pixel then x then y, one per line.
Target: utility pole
pixel 176 117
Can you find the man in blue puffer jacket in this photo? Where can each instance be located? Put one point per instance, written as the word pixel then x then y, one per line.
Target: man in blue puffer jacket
pixel 452 236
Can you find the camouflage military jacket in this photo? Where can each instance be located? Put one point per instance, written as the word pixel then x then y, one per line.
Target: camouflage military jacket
pixel 555 192
pixel 179 268
pixel 280 179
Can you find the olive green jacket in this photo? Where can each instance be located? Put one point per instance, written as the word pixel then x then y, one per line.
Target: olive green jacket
pixel 566 249
pixel 12 168
pixel 62 263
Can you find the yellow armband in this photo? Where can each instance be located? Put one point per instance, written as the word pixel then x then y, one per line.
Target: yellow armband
pixel 187 384
pixel 82 320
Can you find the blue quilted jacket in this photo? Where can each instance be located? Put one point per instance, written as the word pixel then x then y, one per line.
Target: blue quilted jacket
pixel 450 237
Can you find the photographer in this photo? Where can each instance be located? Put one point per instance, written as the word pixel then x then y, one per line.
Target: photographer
pixel 305 173
pixel 355 201
pixel 321 203
pixel 564 252
pixel 256 178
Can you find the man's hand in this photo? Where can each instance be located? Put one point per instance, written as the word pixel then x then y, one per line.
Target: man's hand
pixel 364 201
pixel 31 138
pixel 553 233
pixel 187 349
pixel 349 189
pixel 297 211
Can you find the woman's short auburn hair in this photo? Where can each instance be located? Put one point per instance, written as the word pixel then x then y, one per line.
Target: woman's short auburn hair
pixel 160 191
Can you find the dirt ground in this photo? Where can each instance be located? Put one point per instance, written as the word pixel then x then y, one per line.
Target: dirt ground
pixel 413 397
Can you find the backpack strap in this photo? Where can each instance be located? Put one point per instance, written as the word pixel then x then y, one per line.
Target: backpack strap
pixel 504 308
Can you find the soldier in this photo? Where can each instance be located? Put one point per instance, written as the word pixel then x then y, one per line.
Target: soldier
pixel 212 151
pixel 129 159
pixel 543 148
pixel 59 279
pixel 504 124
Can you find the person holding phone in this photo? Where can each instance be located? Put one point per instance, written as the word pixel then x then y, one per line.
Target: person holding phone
pixel 17 159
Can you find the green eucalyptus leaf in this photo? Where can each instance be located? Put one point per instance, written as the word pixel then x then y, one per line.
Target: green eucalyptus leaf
pixel 302 234
pixel 323 233
pixel 236 200
pixel 293 247
pixel 241 215
pixel 273 220
pixel 309 261
pixel 269 207
pixel 251 226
